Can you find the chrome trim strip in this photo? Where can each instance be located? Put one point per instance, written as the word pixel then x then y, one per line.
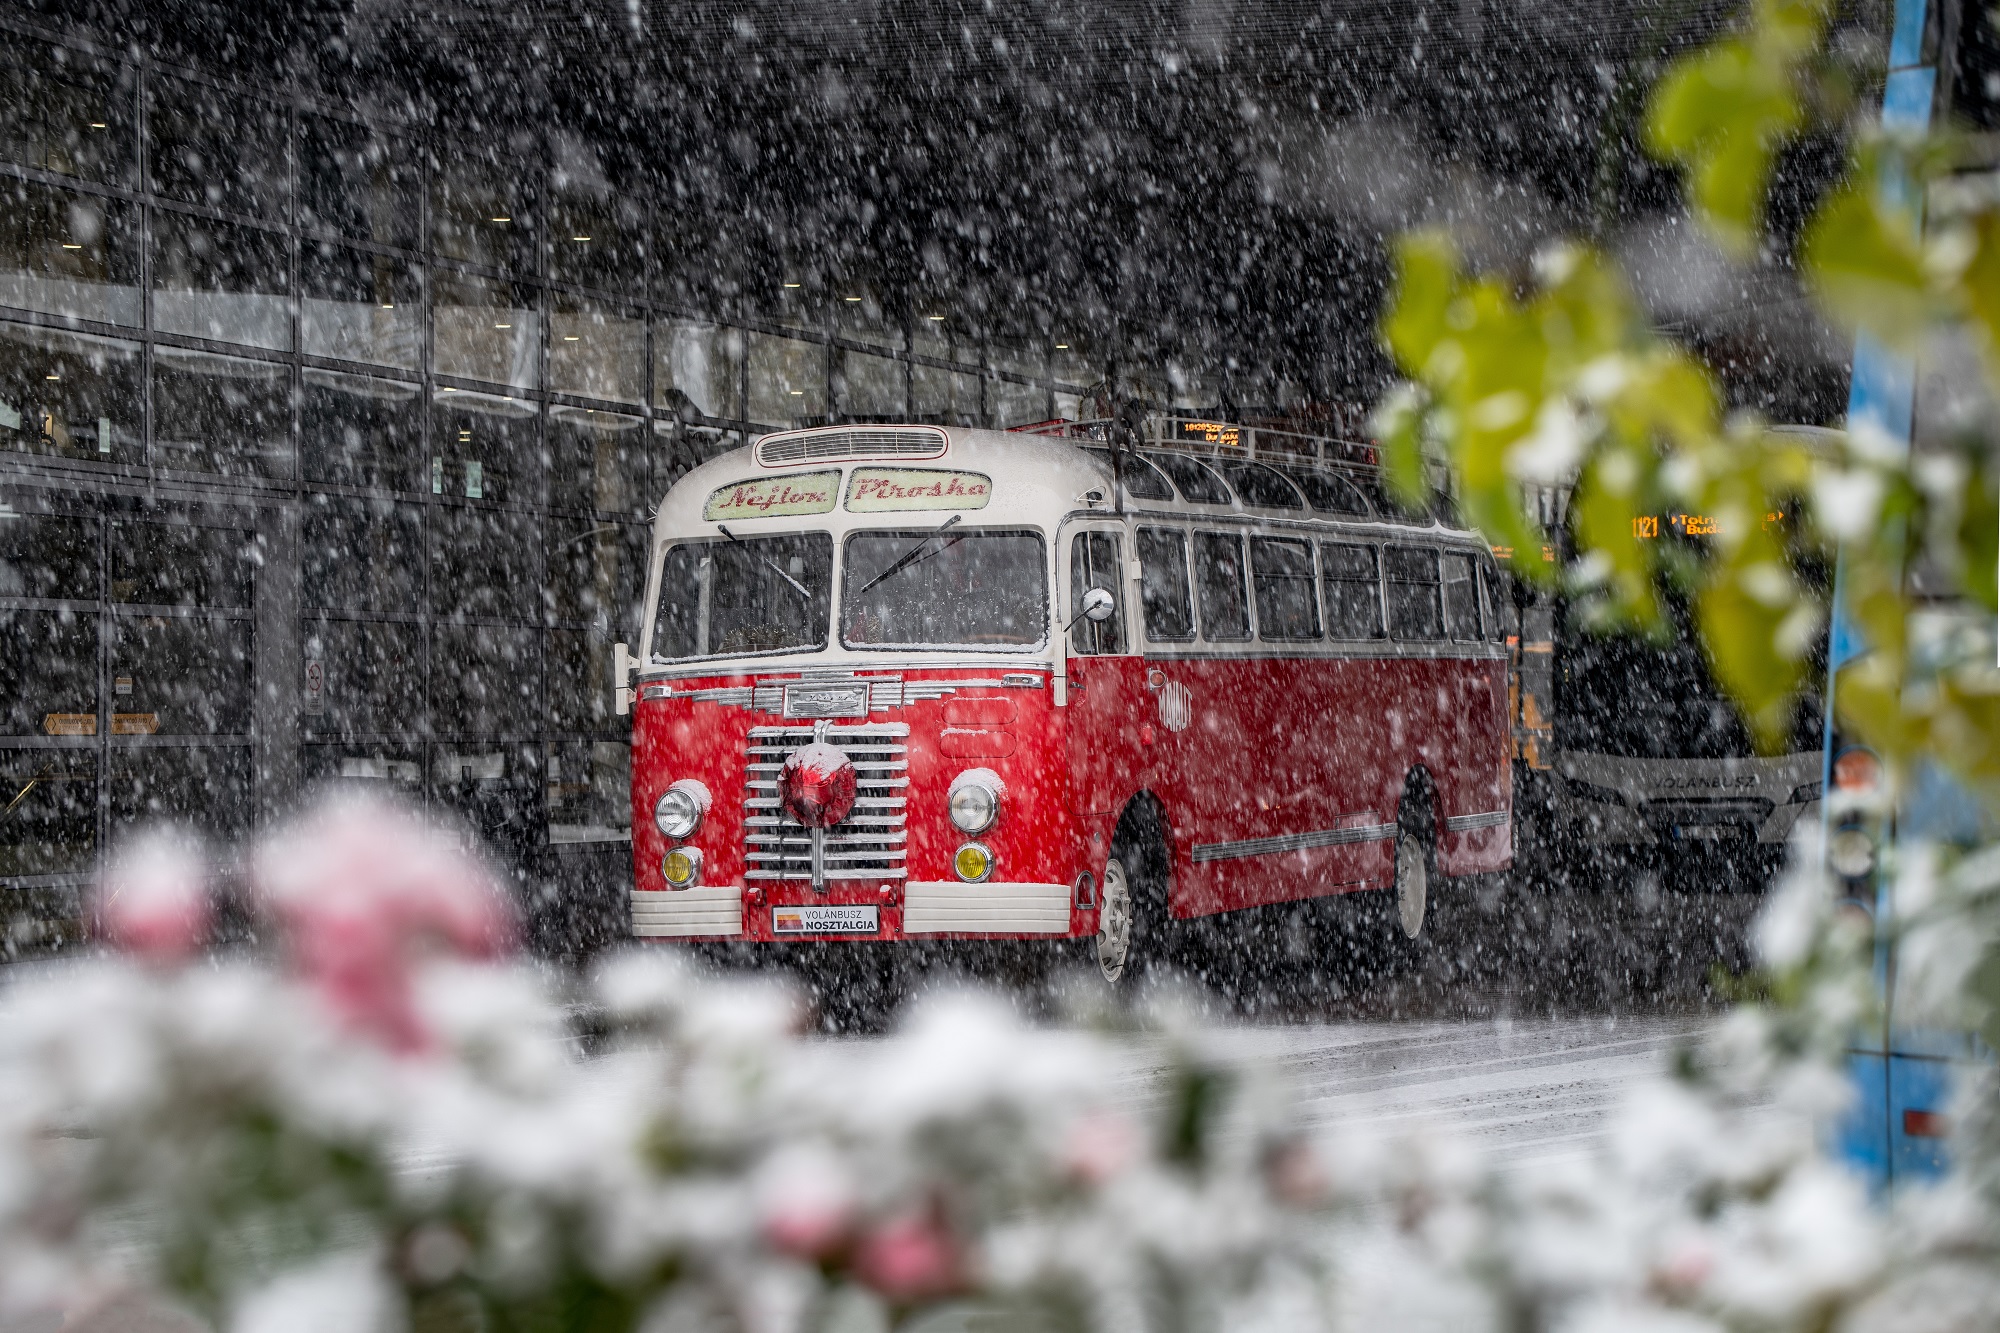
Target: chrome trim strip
pixel 1292 842
pixel 1376 650
pixel 1467 823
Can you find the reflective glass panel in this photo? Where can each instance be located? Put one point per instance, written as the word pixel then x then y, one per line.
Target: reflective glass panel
pixel 359 306
pixel 678 448
pixel 357 431
pixel 50 556
pixel 1411 584
pixel 700 366
pixel 180 676
pixel 1353 591
pixel 787 380
pixel 358 182
pixel 597 238
pixel 944 397
pixel 597 574
pixel 869 388
pixel 48 673
pixel 372 675
pixel 488 682
pixel 590 791
pixel 182 564
pixel 485 329
pixel 70 395
pixel 1218 576
pixel 485 447
pixel 758 595
pixel 597 460
pixel 68 254
pixel 199 786
pixel 1017 404
pixel 362 555
pixel 217 148
pixel 1163 587
pixel 485 562
pixel 67 112
pixel 596 350
pixel 1281 574
pixel 221 414
pixel 1094 562
pixel 915 587
pixel 580 683
pixel 1461 597
pixel 483 211
pixel 215 280
pixel 51 825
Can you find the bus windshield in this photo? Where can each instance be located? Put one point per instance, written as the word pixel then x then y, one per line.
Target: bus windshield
pixel 1617 694
pixel 747 595
pixel 944 588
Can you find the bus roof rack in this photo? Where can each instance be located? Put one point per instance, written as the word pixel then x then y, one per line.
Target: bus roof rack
pixel 1212 435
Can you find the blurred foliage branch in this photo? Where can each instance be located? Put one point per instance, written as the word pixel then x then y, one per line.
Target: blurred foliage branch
pixel 1555 379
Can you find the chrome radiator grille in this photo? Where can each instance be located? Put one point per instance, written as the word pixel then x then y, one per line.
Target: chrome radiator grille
pixel 869 844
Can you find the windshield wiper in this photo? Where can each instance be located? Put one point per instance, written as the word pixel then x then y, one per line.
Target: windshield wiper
pixel 909 557
pixel 767 562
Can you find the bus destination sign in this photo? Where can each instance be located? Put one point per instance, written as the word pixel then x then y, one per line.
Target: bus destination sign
pixel 875 489
pixel 773 497
pixel 1210 432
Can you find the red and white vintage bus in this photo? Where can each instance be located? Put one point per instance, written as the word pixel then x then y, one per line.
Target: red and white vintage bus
pixel 917 683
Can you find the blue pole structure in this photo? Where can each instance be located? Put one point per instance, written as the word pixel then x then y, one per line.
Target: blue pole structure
pixel 1899 1077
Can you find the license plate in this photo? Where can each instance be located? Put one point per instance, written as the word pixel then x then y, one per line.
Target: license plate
pixel 1705 832
pixel 825 920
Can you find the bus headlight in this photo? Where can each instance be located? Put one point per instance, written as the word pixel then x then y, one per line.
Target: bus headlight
pixel 681 867
pixel 972 862
pixel 681 807
pixel 975 800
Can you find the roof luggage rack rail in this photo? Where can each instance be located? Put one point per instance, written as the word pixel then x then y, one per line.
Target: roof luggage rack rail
pixel 1211 435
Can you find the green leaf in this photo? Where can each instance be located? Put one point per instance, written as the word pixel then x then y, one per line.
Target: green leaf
pixel 1866 264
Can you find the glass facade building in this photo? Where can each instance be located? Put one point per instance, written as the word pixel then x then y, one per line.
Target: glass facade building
pixel 327 448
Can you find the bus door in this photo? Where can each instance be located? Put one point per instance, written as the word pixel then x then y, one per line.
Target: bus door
pixel 1107 688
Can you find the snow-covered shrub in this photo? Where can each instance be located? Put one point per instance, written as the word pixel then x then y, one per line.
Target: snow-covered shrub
pixel 388 1124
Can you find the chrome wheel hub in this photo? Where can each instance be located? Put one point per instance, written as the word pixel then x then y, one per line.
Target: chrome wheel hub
pixel 1413 885
pixel 1114 922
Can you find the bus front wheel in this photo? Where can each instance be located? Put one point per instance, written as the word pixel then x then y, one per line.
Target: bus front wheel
pixel 1114 923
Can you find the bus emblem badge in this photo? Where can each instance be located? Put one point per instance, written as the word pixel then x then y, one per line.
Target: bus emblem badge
pixel 1176 707
pixel 826 700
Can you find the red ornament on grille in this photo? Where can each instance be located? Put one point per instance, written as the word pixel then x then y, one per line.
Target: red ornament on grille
pixel 817 785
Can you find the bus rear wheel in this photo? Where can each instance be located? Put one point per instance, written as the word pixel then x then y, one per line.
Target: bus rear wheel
pixel 1416 867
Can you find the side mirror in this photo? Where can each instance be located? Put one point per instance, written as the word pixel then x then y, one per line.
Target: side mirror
pixel 621 679
pixel 1098 605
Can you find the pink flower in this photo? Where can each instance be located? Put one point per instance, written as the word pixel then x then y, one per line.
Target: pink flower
pixel 362 889
pixel 910 1258
pixel 153 900
pixel 1100 1145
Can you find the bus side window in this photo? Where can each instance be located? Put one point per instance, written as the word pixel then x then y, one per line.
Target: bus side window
pixel 1353 591
pixel 1412 584
pixel 1218 574
pixel 1163 584
pixel 1281 572
pixel 1461 598
pixel 1497 605
pixel 1094 563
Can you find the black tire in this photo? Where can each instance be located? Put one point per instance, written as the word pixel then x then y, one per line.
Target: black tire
pixel 1133 902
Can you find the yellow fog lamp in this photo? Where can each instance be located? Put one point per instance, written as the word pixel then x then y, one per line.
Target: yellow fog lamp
pixel 681 867
pixel 972 862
